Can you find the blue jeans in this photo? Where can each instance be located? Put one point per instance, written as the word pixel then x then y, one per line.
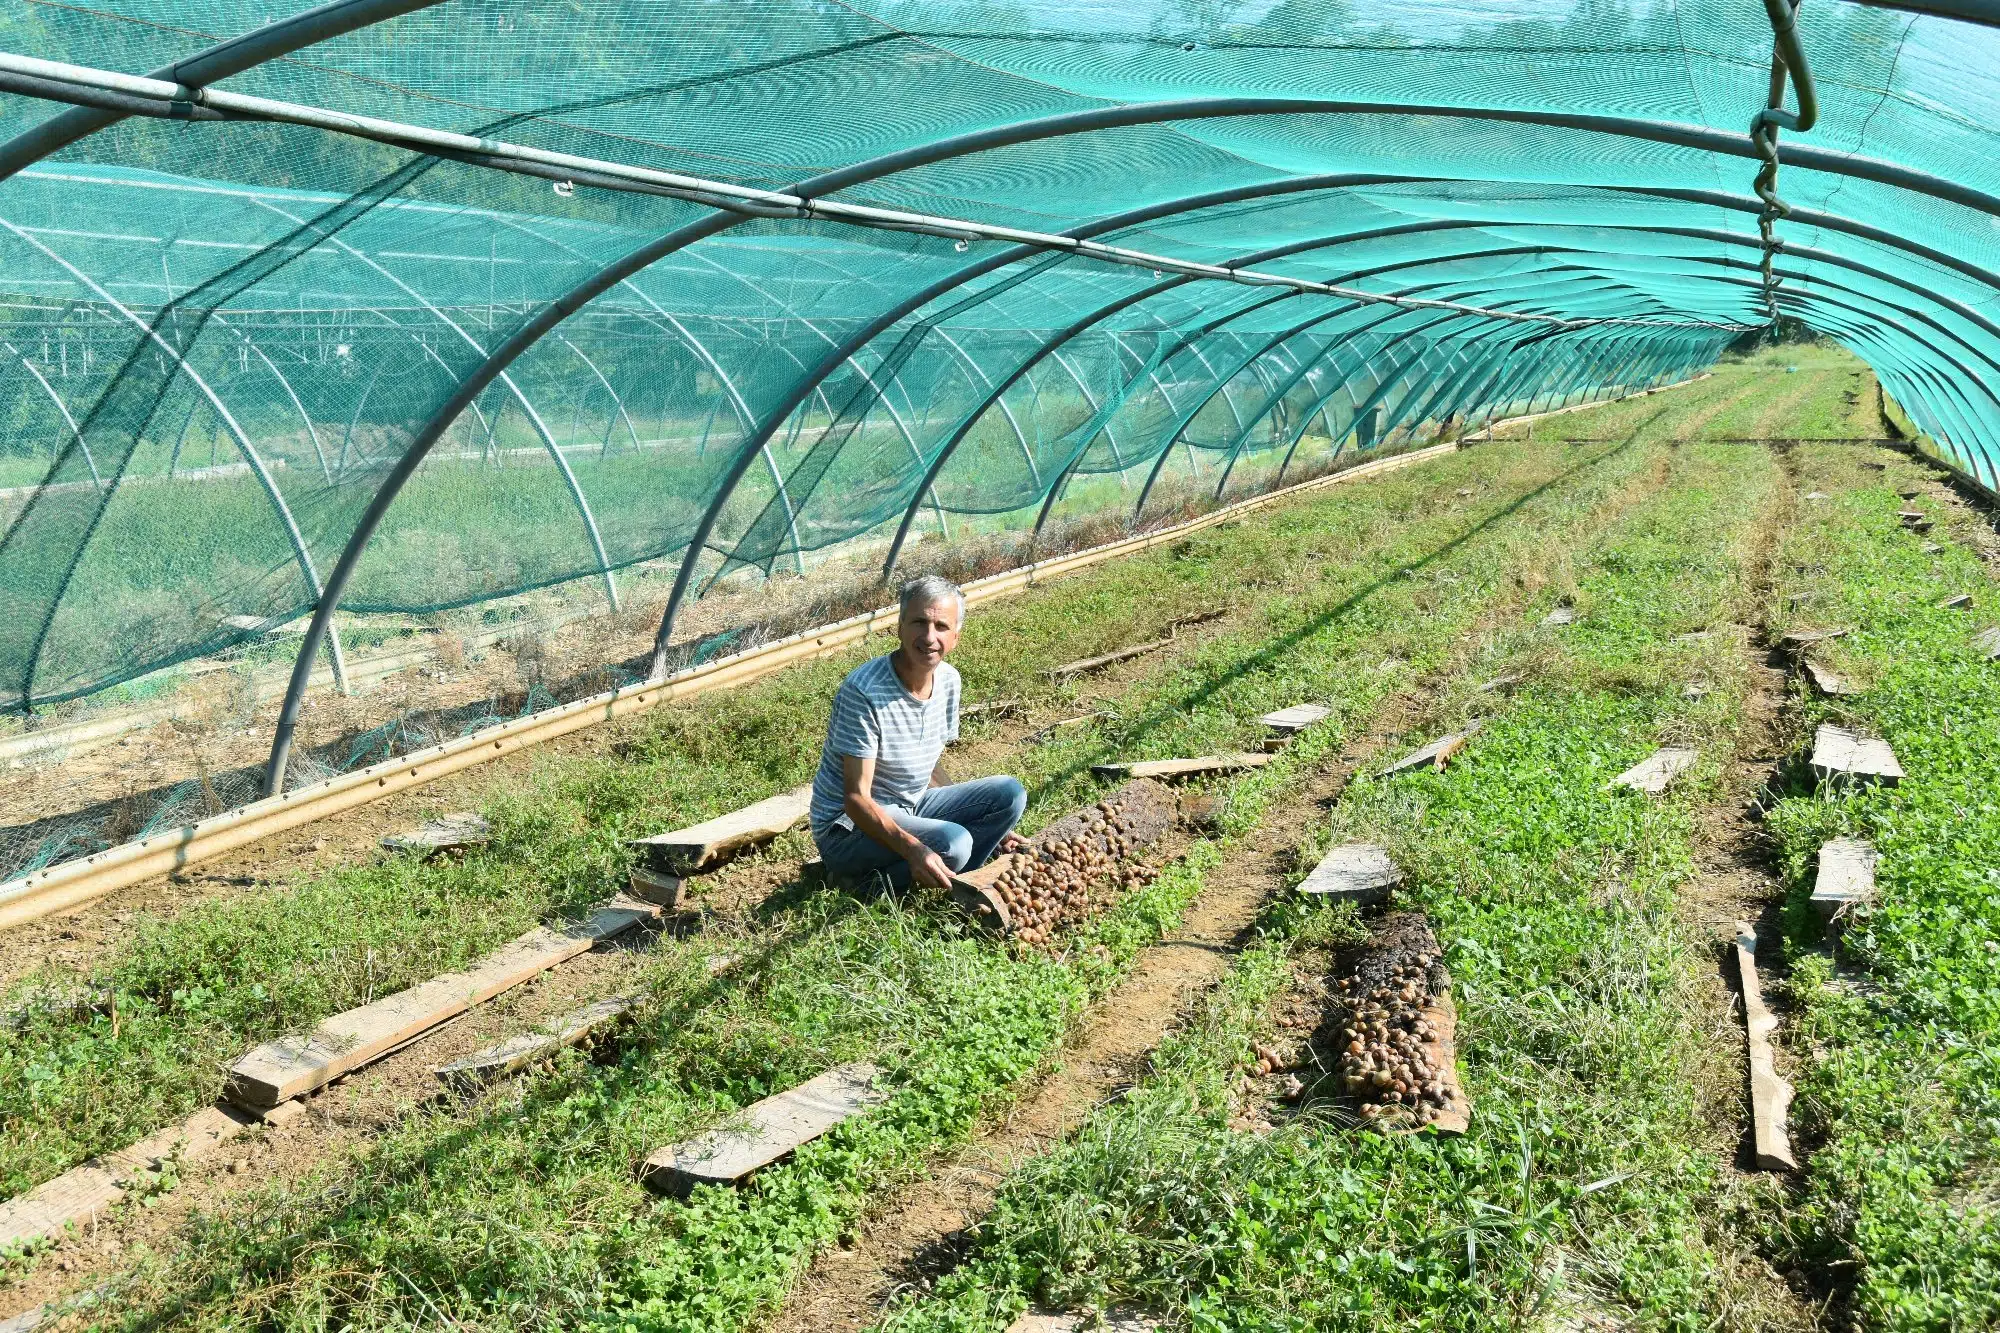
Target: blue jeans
pixel 962 823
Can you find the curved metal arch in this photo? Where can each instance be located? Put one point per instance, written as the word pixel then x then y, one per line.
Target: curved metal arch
pixel 1895 356
pixel 1090 401
pixel 300 553
pixel 224 59
pixel 1181 425
pixel 630 430
pixel 1278 394
pixel 1027 454
pixel 76 433
pixel 527 405
pixel 312 431
pixel 1219 387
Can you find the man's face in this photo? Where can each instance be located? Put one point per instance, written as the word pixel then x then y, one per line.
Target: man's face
pixel 929 632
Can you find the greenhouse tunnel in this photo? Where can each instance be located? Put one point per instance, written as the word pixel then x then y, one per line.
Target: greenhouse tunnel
pixel 393 306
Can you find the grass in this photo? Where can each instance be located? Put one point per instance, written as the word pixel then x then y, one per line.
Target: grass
pixel 1591 1181
pixel 1325 611
pixel 1898 1027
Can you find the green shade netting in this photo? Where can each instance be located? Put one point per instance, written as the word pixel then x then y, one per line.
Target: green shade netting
pixel 217 340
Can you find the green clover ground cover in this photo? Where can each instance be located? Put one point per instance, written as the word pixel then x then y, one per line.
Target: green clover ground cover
pixel 1899 1026
pixel 1591 1172
pixel 530 1203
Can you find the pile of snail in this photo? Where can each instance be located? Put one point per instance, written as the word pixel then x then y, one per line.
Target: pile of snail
pixel 1383 1056
pixel 1052 883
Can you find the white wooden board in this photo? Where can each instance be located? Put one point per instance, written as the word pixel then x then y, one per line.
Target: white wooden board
pixel 1181 768
pixel 685 851
pixel 286 1068
pixel 452 831
pixel 1360 872
pixel 1828 681
pixel 765 1132
pixel 1770 1096
pixel 518 1052
pixel 1840 753
pixel 1654 774
pixel 1798 640
pixel 83 1192
pixel 1439 752
pixel 1296 718
pixel 1562 615
pixel 1962 602
pixel 1846 877
pixel 1988 641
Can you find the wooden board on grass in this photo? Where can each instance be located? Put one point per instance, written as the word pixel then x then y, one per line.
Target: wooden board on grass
pixel 1830 683
pixel 286 1068
pixel 1167 770
pixel 1846 877
pixel 1987 641
pixel 1960 602
pixel 1356 872
pixel 1770 1095
pixel 1112 1321
pixel 1078 668
pixel 1441 1051
pixel 1842 754
pixel 526 1048
pixel 773 1128
pixel 1438 753
pixel 442 835
pixel 1562 615
pixel 1797 641
pixel 1296 718
pixel 82 1193
pixel 1655 773
pixel 686 851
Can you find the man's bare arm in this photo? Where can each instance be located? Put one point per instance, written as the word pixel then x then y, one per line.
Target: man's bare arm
pixel 858 778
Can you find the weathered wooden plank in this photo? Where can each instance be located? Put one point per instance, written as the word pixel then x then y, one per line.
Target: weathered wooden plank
pixel 1168 769
pixel 766 1131
pixel 1931 548
pixel 526 1048
pixel 442 835
pixel 1797 641
pixel 1909 494
pixel 1562 615
pixel 686 851
pixel 1439 752
pixel 1846 877
pixel 1357 872
pixel 1960 602
pixel 1296 718
pixel 1915 520
pixel 1078 668
pixel 1770 1095
pixel 1988 641
pixel 1455 1116
pixel 993 708
pixel 1655 773
pixel 1840 753
pixel 651 886
pixel 1502 684
pixel 280 1070
pixel 1828 681
pixel 80 1194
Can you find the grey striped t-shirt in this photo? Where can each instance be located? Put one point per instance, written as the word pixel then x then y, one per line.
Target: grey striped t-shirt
pixel 874 717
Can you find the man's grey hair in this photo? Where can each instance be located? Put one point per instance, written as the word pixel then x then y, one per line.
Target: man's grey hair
pixel 929 591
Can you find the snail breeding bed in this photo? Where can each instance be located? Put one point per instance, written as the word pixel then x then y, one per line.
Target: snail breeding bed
pixel 1073 867
pixel 1394 1052
pixel 1381 1041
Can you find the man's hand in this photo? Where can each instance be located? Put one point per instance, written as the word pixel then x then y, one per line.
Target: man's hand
pixel 1012 842
pixel 928 868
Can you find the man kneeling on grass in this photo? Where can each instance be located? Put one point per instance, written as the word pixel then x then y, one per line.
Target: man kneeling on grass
pixel 874 808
